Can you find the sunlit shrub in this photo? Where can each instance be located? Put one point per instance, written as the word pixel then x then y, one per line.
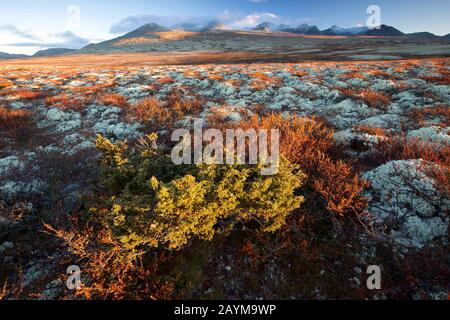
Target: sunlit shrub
pixel 372 98
pixel 113 99
pixel 375 131
pixel 157 114
pixel 66 102
pixel 157 204
pixel 16 124
pixel 109 271
pixel 150 111
pixel 27 94
pixel 420 115
pixel 5 83
pixel 309 143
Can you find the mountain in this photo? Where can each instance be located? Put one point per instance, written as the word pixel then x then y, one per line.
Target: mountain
pixel 145 30
pixel 52 52
pixel 215 26
pixel 139 37
pixel 5 56
pixel 312 31
pixel 270 26
pixel 267 26
pixel 384 31
pixel 216 36
pixel 339 31
pixel 447 36
pixel 193 27
pixel 305 29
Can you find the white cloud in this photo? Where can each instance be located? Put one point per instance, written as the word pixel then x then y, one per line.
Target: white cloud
pixel 240 21
pixel 131 23
pixel 236 20
pixel 28 42
pixel 25 34
pixel 255 19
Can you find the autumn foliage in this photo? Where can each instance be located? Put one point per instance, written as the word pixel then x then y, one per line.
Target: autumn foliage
pixel 309 143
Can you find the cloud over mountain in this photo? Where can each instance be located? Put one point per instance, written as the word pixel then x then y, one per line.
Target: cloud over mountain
pixel 25 34
pixel 66 39
pixel 236 20
pixel 133 22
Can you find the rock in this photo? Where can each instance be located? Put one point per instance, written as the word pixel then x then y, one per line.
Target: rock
pixel 9 163
pixel 352 138
pixel 6 246
pixel 432 134
pixel 406 205
pixel 64 120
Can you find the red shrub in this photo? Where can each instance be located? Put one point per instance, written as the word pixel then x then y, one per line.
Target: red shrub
pixel 372 98
pixel 16 124
pixel 27 94
pixel 113 99
pixel 66 102
pixel 309 143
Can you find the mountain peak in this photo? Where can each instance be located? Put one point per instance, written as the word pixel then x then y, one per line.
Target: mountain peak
pixel 385 31
pixel 215 26
pixel 148 28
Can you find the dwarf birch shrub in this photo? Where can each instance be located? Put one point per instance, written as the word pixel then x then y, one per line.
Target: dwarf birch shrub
pixel 154 203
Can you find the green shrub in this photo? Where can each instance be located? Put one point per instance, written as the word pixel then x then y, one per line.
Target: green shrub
pixel 155 203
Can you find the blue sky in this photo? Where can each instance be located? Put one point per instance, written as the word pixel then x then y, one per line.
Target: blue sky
pixel 27 26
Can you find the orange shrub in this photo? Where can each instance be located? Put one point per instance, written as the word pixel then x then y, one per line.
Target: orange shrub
pixel 4 83
pixel 158 114
pixel 15 124
pixel 113 99
pixel 113 273
pixel 309 143
pixel 215 77
pixel 165 80
pixel 372 98
pixel 150 111
pixel 403 148
pixel 340 186
pixel 27 94
pixel 353 75
pixel 444 79
pixel 63 101
pixel 371 130
pixel 263 80
pixel 418 116
pixel 260 75
pixel 300 74
pixel 182 108
pixel 258 85
pixel 13 119
pixel 92 89
pixel 379 73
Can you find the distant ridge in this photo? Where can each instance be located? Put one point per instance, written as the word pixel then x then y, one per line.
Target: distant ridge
pixel 215 35
pixel 215 26
pixel 146 29
pixel 5 56
pixel 53 52
pixel 384 31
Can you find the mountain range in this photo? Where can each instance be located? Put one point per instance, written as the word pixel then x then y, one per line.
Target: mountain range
pixel 152 33
pixel 40 53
